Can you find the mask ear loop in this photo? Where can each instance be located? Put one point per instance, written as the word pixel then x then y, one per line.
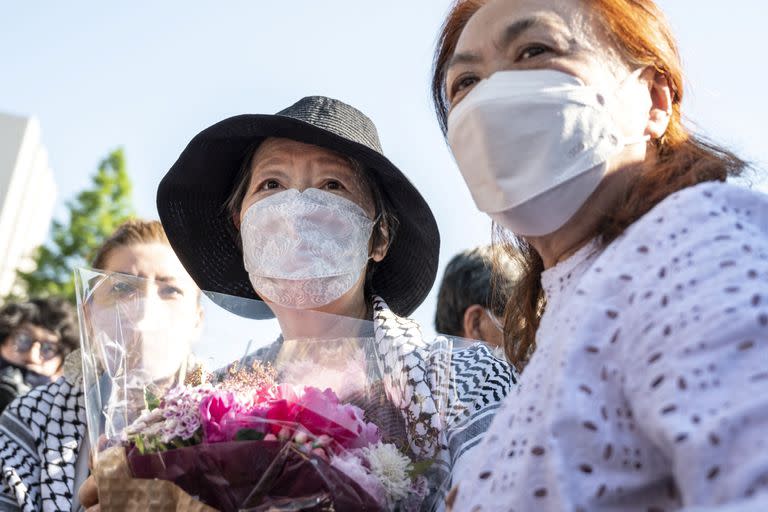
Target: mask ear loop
pixel 630 141
pixel 376 226
pixel 370 265
pixel 495 321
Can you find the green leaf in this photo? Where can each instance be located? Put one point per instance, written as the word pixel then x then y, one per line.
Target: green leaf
pixel 139 442
pixel 249 434
pixel 151 400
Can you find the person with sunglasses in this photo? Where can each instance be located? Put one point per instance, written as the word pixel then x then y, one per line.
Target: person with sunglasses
pixel 35 337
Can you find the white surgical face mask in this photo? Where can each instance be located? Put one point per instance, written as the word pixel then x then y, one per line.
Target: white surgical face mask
pixel 305 249
pixel 533 146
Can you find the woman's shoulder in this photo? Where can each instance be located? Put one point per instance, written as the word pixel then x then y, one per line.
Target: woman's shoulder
pixel 480 384
pixel 40 435
pixel 480 381
pixel 705 207
pixel 718 191
pixel 11 384
pixel 684 226
pixel 699 260
pixel 46 403
pixel 29 419
pixel 477 362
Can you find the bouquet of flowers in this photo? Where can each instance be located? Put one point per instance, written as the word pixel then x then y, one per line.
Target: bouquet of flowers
pixel 317 421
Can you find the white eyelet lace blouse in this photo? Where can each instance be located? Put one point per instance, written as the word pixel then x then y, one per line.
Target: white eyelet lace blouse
pixel 648 390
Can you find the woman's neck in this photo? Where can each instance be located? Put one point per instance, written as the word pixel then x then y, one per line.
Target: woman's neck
pixel 344 317
pixel 583 226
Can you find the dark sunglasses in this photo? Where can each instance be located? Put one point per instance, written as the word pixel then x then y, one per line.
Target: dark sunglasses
pixel 23 342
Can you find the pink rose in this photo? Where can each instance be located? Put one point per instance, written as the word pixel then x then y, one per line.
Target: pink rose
pixel 215 410
pixel 321 413
pixel 281 412
pixel 263 394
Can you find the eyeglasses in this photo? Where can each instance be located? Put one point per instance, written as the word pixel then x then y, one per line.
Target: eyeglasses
pixel 23 341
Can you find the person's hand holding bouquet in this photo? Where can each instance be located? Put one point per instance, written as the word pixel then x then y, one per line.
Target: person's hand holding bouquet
pixel 88 494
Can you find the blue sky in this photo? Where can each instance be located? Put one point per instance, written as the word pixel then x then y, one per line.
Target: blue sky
pixel 149 75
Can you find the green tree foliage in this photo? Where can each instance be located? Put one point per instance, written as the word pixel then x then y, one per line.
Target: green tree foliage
pixel 93 215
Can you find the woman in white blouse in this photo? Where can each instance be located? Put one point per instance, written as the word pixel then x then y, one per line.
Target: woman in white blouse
pixel 646 370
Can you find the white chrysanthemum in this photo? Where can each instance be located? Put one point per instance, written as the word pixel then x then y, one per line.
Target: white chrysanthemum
pixel 391 467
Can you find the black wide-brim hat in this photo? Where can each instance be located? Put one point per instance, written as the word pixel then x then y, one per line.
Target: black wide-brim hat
pixel 191 200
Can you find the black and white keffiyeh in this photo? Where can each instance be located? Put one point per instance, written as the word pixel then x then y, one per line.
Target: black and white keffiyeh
pixel 42 432
pixel 40 437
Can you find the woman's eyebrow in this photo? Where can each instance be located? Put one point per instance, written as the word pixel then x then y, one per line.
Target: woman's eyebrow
pixel 463 58
pixel 517 29
pixel 509 35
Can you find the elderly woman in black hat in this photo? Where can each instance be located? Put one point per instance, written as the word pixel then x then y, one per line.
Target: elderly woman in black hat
pixel 302 210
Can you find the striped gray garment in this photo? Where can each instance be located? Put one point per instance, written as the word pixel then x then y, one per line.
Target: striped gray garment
pixel 41 433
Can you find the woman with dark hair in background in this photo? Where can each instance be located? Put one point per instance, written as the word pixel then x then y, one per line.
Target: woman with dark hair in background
pixel 643 324
pixel 35 337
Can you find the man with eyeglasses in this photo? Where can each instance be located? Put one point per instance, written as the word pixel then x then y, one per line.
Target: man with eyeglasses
pixel 35 337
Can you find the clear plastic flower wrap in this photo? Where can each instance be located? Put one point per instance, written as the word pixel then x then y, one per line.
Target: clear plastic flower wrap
pixel 247 408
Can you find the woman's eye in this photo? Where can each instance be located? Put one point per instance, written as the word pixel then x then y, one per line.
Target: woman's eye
pixel 532 51
pixel 123 288
pixel 270 185
pixel 462 84
pixel 171 291
pixel 333 185
pixel 49 350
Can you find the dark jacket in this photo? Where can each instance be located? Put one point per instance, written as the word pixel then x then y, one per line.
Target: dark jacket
pixel 16 381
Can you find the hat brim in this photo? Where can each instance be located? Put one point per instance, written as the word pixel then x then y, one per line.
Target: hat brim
pixel 191 204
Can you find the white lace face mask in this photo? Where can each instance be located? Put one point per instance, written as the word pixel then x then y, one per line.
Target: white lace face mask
pixel 305 249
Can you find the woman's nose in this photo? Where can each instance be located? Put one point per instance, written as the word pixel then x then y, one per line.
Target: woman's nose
pixel 33 356
pixel 303 182
pixel 148 310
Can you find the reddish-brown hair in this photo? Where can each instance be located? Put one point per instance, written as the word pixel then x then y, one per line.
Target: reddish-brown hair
pixel 641 34
pixel 132 232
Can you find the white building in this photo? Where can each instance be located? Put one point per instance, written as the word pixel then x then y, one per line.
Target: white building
pixel 27 195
